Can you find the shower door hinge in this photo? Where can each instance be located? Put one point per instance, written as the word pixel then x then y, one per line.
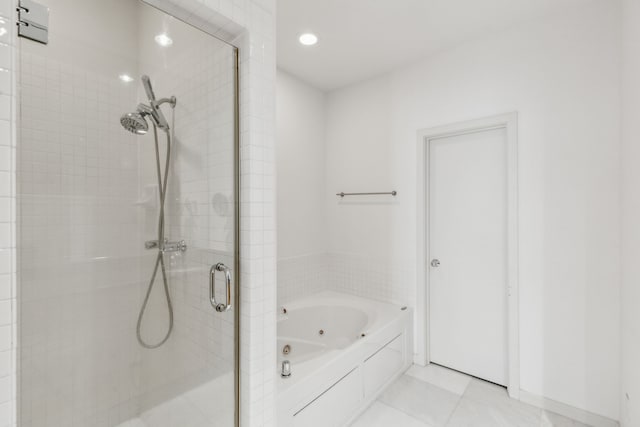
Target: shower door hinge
pixel 33 21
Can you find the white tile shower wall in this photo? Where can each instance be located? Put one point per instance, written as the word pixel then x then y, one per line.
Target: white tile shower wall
pixel 7 217
pixel 79 237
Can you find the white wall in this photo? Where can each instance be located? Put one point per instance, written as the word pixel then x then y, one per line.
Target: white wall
pixel 300 135
pixel 630 408
pixel 561 74
pixel 300 162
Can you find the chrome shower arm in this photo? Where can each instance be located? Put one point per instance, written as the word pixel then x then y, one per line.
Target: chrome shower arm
pixel 171 101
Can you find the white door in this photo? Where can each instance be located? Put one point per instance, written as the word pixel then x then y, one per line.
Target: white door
pixel 468 251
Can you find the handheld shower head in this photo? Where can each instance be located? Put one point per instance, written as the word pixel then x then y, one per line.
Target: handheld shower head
pixel 134 123
pixel 155 112
pixel 146 83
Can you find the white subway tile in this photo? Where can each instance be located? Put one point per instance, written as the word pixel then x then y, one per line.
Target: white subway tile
pixel 5 132
pixel 5 82
pixel 6 8
pixel 5 363
pixel 5 338
pixel 5 312
pixel 7 414
pixel 6 389
pixel 5 107
pixel 6 36
pixel 5 56
pixel 5 158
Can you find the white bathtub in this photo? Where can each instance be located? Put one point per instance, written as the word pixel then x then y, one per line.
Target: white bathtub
pixel 343 351
pixel 311 331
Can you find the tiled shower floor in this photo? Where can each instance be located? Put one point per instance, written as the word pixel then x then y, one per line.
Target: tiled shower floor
pixel 433 396
pixel 210 404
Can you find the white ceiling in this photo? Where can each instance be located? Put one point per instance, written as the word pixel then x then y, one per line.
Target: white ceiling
pixel 363 38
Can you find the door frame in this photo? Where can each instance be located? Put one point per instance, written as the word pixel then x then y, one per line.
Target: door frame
pixel 509 122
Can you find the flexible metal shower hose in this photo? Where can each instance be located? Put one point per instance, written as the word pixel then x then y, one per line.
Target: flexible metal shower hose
pixel 162 190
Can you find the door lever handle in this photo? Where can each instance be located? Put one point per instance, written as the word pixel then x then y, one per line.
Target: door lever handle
pixel 435 262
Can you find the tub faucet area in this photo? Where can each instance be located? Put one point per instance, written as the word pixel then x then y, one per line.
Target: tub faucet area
pixel 286 369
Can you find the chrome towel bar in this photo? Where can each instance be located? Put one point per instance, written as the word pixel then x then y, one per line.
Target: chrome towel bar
pixel 392 193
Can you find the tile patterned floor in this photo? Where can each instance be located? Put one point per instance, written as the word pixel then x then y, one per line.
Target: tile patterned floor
pixel 433 396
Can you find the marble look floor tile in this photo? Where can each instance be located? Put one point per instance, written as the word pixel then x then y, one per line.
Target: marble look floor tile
pixel 485 404
pixel 135 422
pixel 485 391
pixel 493 395
pixel 471 413
pixel 447 379
pixel 551 419
pixel 426 402
pixel 381 415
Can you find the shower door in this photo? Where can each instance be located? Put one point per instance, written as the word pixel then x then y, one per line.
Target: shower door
pixel 91 352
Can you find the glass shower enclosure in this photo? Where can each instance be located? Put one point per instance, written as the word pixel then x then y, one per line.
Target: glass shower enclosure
pixel 127 186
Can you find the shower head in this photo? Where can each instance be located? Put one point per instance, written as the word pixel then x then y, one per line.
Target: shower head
pixel 134 123
pixel 155 112
pixel 137 122
pixel 146 83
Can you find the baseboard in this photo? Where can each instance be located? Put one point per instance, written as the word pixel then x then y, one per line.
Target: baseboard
pixel 567 410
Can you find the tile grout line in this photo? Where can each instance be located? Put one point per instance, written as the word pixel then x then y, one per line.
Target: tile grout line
pixel 460 396
pixel 456 407
pixel 432 385
pixel 400 410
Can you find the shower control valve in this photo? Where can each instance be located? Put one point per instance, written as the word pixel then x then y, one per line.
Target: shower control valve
pixel 180 246
pixel 167 246
pixel 151 244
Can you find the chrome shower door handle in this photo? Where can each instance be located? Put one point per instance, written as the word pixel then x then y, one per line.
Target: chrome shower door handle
pixel 225 306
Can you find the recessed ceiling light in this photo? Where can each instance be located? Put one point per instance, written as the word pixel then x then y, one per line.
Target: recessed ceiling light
pixel 126 78
pixel 164 40
pixel 308 39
